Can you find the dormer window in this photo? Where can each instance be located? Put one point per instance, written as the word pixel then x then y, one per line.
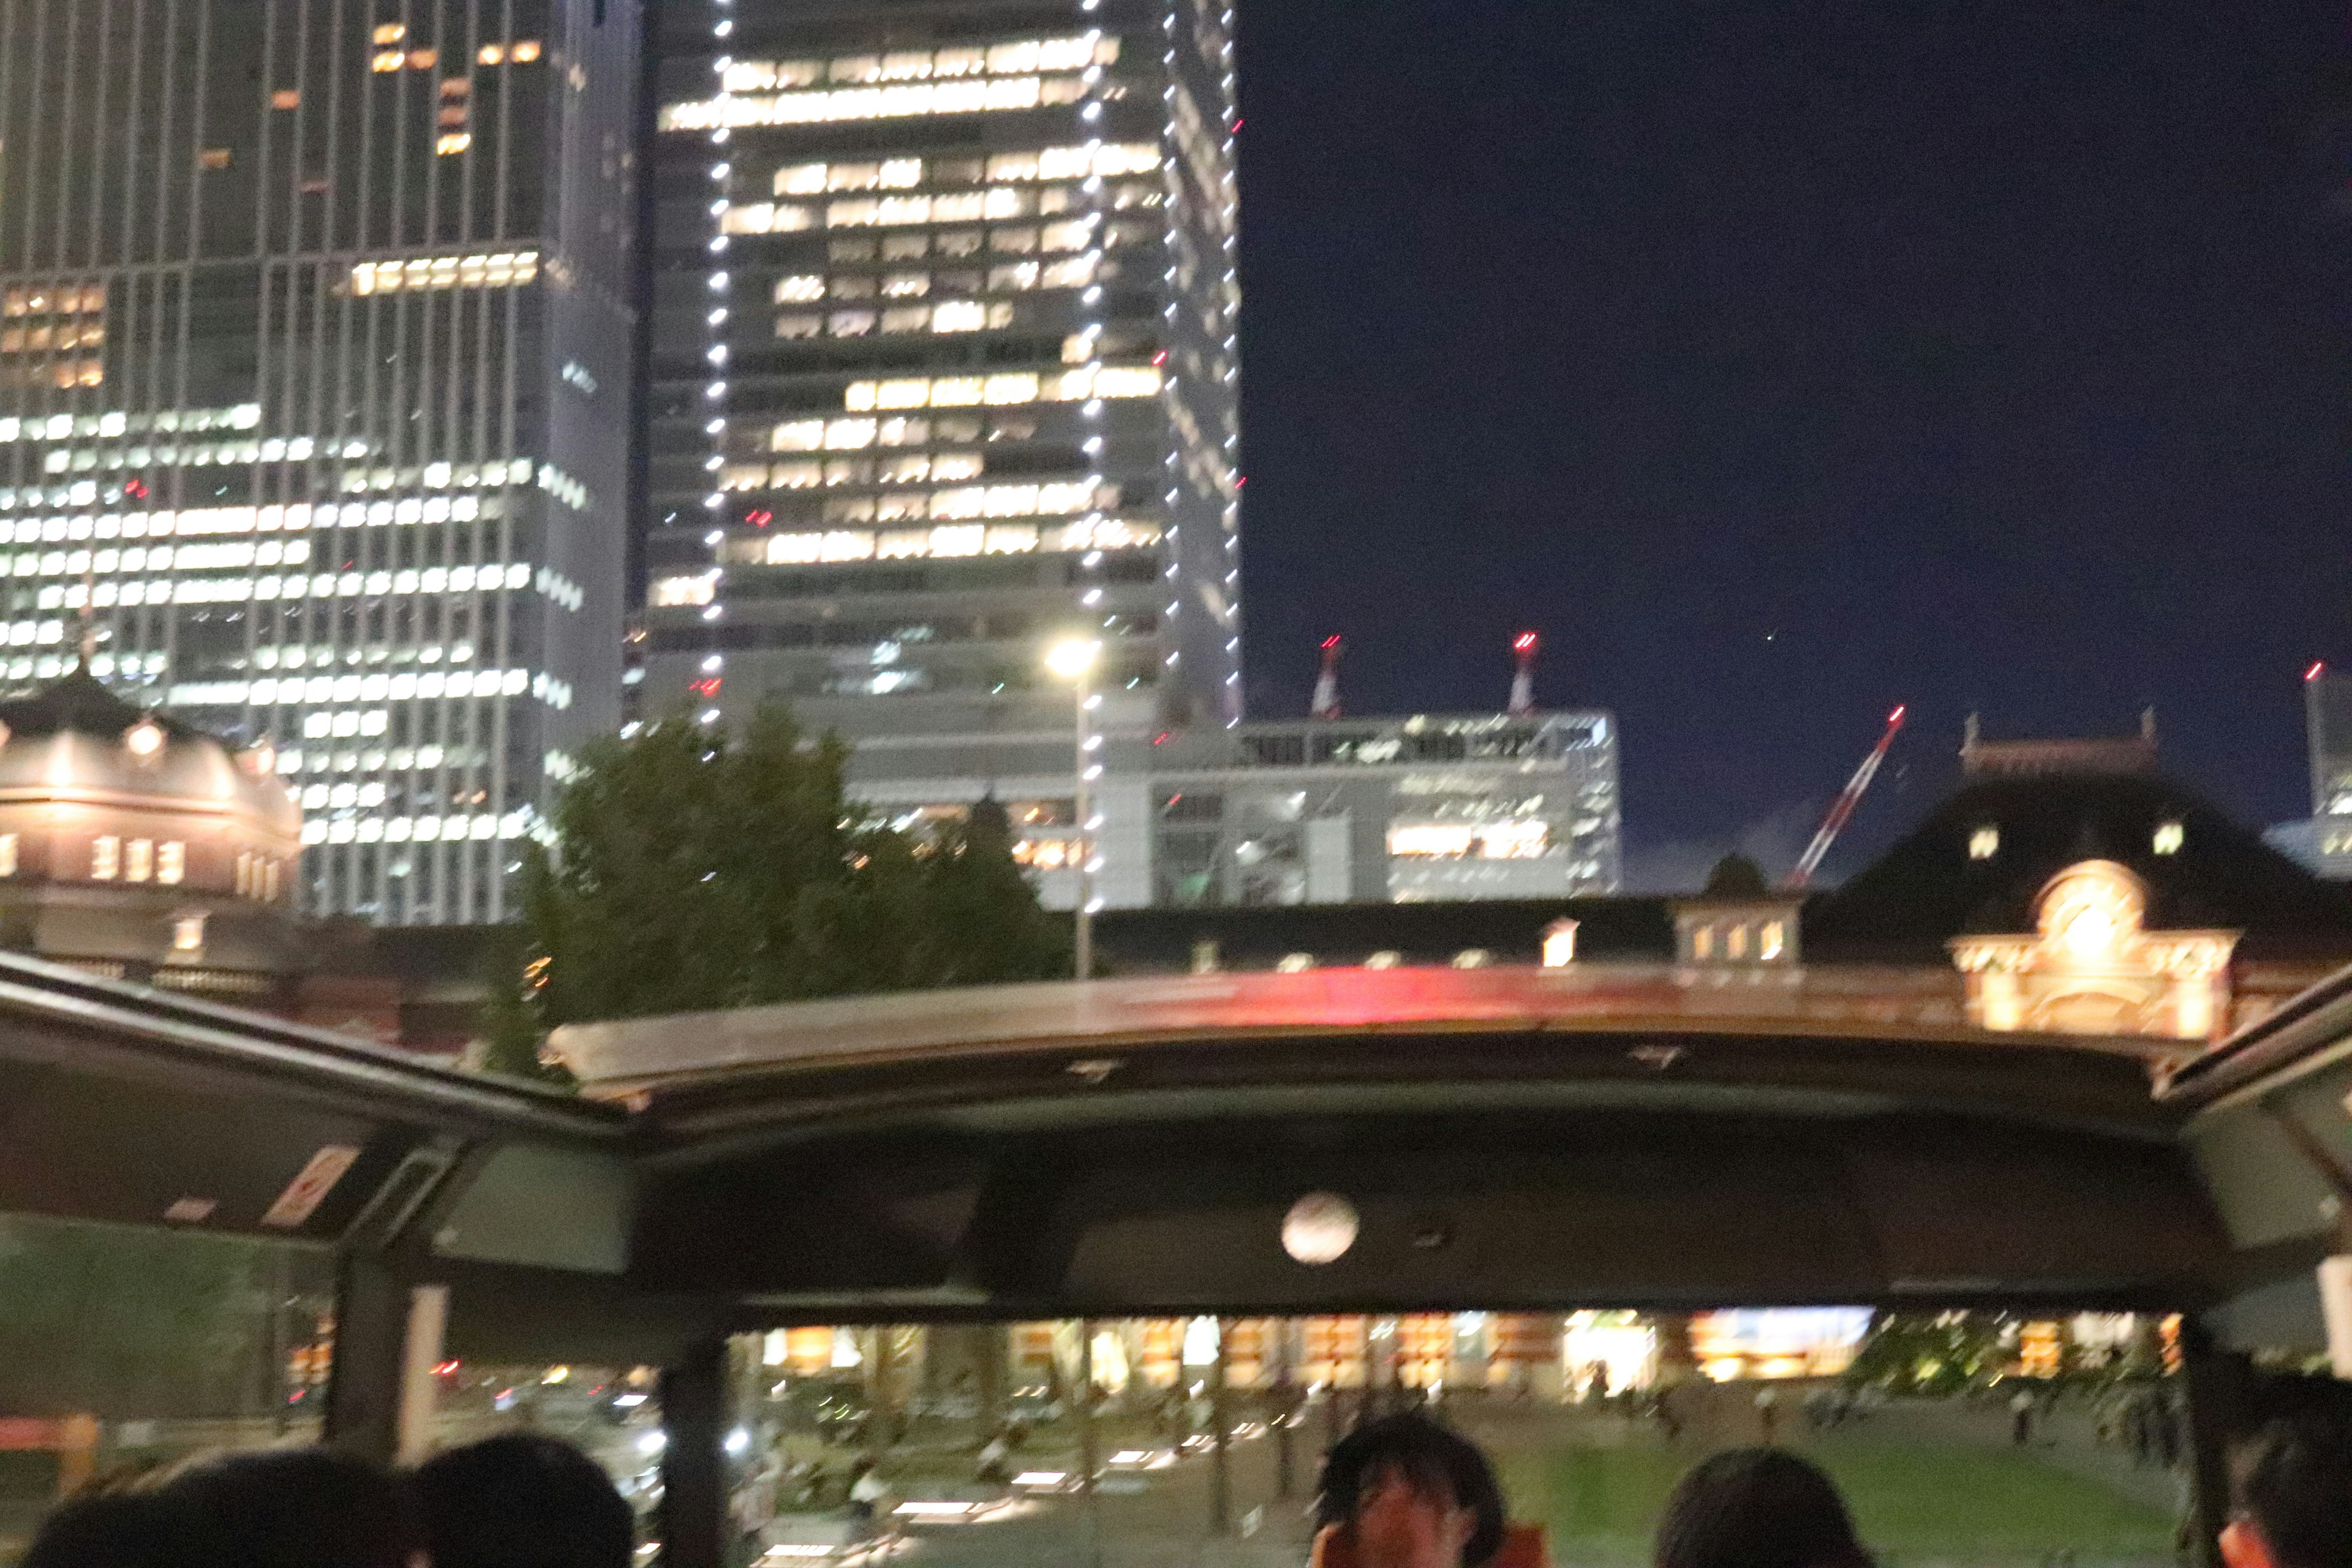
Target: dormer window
pixel 1984 843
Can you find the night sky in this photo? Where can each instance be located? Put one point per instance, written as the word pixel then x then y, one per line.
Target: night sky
pixel 1783 362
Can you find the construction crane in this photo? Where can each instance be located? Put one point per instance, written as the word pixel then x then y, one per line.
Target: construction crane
pixel 1843 807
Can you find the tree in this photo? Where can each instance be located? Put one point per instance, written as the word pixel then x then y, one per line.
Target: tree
pixel 1931 1352
pixel 696 869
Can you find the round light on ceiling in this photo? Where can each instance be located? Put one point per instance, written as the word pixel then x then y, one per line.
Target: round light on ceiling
pixel 145 738
pixel 1319 1229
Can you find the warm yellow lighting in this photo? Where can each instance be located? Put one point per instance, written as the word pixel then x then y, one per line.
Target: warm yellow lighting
pixel 1073 657
pixel 524 52
pixel 500 270
pixel 492 54
pixel 1559 945
pixel 1432 840
pixel 2090 910
pixel 390 33
pixel 387 60
pixel 2168 838
pixel 454 141
pixel 145 738
pixel 1984 843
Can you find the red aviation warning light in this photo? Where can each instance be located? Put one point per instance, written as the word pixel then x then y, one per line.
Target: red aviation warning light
pixel 1523 678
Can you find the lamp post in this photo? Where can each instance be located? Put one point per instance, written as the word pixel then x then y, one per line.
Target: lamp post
pixel 1074 660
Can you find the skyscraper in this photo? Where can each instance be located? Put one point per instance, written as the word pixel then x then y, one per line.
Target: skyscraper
pixel 315 369
pixel 2327 730
pixel 944 365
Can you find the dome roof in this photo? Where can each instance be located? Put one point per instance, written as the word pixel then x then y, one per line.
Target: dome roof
pixel 76 739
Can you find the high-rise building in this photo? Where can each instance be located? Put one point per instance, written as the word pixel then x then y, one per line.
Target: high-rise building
pixel 943 363
pixel 1425 808
pixel 2327 728
pixel 2321 842
pixel 315 370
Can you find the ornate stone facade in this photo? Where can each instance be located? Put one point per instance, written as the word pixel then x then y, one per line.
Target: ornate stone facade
pixel 2093 967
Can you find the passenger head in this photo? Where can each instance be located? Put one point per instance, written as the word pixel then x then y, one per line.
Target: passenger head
pixel 1410 1494
pixel 109 1531
pixel 2291 1496
pixel 523 1501
pixel 1757 1507
pixel 299 1508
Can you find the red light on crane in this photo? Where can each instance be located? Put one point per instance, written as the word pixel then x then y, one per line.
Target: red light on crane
pixel 2318 667
pixel 1523 643
pixel 1333 641
pixel 1897 717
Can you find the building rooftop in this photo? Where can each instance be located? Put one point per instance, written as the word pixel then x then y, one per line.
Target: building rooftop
pixel 76 739
pixel 1977 862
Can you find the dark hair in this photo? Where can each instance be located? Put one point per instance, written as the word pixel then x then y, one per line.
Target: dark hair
pixel 523 1501
pixel 1757 1507
pixel 299 1508
pixel 1431 1458
pixel 106 1531
pixel 2294 1480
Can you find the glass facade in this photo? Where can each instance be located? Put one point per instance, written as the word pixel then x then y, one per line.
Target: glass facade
pixel 1428 808
pixel 943 362
pixel 1432 808
pixel 314 371
pixel 2327 716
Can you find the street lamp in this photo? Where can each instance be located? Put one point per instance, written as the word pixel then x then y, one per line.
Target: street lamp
pixel 1073 660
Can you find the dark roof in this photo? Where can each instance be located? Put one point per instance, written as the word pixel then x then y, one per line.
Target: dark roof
pixel 77 702
pixel 1926 890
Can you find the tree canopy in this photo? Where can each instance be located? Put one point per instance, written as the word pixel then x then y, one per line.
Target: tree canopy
pixel 693 869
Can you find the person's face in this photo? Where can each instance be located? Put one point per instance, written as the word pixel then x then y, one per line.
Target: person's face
pixel 1400 1525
